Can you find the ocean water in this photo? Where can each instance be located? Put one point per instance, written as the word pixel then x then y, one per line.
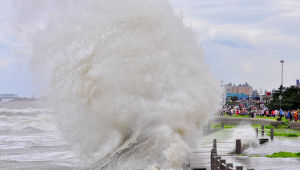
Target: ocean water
pixel 29 138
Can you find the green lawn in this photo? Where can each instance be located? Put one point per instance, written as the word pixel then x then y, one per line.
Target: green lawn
pixel 280 130
pixel 259 117
pixel 218 125
pixel 285 132
pixel 284 155
pixel 280 155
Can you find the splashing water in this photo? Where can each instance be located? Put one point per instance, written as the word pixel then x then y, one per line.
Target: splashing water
pixel 127 78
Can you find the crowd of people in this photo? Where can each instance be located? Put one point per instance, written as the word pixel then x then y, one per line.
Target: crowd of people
pixel 254 109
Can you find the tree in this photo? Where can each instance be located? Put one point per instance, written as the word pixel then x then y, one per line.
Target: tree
pixel 290 98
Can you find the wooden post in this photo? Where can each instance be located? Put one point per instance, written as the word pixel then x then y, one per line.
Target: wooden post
pixel 212 160
pixel 222 164
pixel 262 130
pixel 229 166
pixel 215 144
pixel 217 160
pixel 238 146
pixel 272 134
pixel 222 125
pixel 256 132
pixel 239 167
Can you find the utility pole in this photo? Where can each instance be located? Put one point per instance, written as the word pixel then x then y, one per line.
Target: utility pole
pixel 282 62
pixel 281 87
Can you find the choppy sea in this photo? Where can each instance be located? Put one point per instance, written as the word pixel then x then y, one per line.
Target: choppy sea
pixel 29 138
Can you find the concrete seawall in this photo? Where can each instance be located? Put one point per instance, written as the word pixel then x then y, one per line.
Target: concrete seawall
pixel 294 125
pixel 241 121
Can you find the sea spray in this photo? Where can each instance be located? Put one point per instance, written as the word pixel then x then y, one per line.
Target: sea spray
pixel 126 78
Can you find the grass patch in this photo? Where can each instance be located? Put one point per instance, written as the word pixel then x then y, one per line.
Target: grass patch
pixel 269 127
pixel 279 155
pixel 285 134
pixel 241 155
pixel 243 116
pixel 256 126
pixel 293 135
pixel 282 126
pixel 256 156
pixel 259 117
pixel 284 155
pixel 225 126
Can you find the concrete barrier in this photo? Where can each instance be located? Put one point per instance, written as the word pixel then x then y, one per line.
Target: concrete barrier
pixel 294 125
pixel 241 121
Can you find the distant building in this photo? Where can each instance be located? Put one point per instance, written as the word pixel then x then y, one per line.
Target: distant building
pixel 240 89
pixel 297 83
pixel 8 96
pixel 255 94
pixel 239 96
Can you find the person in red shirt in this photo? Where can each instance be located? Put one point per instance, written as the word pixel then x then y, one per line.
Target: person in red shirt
pixel 296 116
pixel 273 113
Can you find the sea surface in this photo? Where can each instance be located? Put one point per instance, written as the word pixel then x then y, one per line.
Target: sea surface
pixel 29 138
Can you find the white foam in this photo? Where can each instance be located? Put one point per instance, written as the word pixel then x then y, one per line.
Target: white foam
pixel 119 67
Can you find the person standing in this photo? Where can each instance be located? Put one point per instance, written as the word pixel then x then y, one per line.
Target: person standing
pixel 296 116
pixel 290 116
pixel 280 114
pixel 267 113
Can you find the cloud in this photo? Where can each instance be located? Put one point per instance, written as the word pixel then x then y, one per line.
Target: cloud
pixel 5 62
pixel 247 67
pixel 245 40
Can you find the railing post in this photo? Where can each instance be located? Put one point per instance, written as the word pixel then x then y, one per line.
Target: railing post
pixel 213 161
pixel 222 125
pixel 213 154
pixel 262 130
pixel 238 146
pixel 215 144
pixel 217 160
pixel 222 164
pixel 239 167
pixel 229 166
pixel 272 134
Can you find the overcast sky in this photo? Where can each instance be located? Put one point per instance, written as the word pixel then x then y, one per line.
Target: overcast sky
pixel 243 40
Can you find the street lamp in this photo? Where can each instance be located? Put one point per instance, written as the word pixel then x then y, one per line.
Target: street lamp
pixel 281 87
pixel 280 98
pixel 282 62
